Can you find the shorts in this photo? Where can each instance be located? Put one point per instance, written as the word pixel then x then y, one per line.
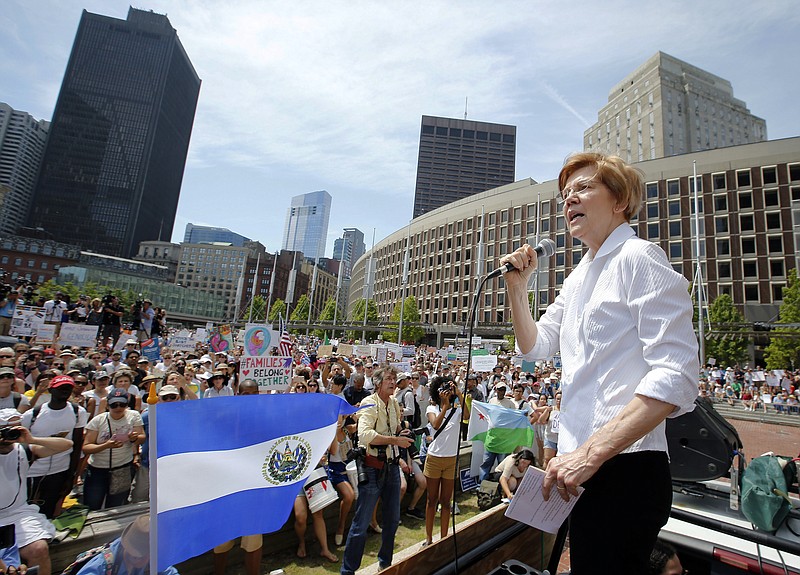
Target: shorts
pixel 440 467
pixel 31 525
pixel 249 543
pixel 551 444
pixel 337 472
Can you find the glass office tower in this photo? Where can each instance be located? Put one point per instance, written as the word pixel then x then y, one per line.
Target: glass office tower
pixel 113 166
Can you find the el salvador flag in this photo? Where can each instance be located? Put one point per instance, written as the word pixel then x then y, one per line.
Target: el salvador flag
pixel 232 466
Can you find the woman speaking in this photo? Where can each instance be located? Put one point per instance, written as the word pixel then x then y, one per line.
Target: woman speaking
pixel 623 325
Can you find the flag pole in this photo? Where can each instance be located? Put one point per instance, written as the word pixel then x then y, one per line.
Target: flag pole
pixel 152 399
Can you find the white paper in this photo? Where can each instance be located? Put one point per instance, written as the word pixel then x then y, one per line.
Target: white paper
pixel 529 507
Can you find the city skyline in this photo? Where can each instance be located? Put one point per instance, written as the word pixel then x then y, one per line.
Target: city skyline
pixel 262 134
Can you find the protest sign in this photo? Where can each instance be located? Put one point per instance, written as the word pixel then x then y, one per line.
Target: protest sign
pixel 402 366
pixel 270 372
pixel 45 334
pixel 344 349
pixel 396 350
pixel 484 362
pixel 528 366
pixel 363 350
pixel 324 350
pixel 151 350
pixel 182 343
pixel 462 354
pixel 26 320
pixel 477 340
pixel 259 339
pixel 758 376
pixel 123 337
pixel 221 340
pixel 409 351
pixel 373 349
pixel 381 354
pixel 78 334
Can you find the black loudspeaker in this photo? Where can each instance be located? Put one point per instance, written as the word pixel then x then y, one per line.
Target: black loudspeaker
pixel 513 567
pixel 701 443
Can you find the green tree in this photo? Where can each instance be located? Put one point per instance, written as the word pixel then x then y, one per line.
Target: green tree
pixel 300 312
pixel 92 290
pixel 278 309
pixel 327 314
pixel 357 316
pixel 411 334
pixel 731 348
pixel 259 310
pixel 510 339
pixel 783 351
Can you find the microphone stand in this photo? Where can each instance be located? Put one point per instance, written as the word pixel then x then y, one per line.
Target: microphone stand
pixel 471 321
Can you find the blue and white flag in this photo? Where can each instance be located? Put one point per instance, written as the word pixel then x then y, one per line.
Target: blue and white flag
pixel 233 466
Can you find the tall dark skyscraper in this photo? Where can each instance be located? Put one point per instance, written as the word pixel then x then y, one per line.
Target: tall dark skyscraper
pixel 458 158
pixel 113 166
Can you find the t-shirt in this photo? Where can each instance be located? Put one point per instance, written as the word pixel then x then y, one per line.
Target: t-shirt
pixel 147 319
pixel 225 391
pixel 13 478
pixel 9 401
pixel 507 469
pixel 106 427
pixel 54 423
pixel 53 311
pixel 446 444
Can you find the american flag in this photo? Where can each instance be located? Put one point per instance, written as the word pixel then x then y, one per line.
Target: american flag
pixel 285 346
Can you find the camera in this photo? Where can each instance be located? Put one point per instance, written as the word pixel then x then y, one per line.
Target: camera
pixel 10 434
pixel 108 300
pixel 358 454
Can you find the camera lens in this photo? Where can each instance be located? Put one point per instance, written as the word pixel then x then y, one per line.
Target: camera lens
pixel 10 434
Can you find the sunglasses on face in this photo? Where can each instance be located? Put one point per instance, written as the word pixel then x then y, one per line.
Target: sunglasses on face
pixel 171 397
pixel 6 357
pixel 301 388
pixel 313 385
pixel 6 376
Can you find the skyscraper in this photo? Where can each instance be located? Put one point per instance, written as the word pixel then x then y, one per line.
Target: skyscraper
pixel 306 227
pixel 22 141
pixel 113 167
pixel 458 158
pixel 667 107
pixel 349 248
pixel 204 234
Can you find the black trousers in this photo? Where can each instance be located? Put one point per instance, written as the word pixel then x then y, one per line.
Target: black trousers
pixel 45 491
pixel 616 522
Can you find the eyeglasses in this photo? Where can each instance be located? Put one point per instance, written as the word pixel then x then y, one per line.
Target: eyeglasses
pixel 58 365
pixel 313 385
pixel 580 189
pixel 77 382
pixel 117 405
pixel 7 376
pixel 300 387
pixel 171 397
pixel 6 357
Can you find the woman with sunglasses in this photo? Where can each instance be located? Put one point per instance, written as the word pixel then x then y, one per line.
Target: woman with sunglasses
pixel 112 439
pixel 79 396
pixel 218 385
pixel 622 323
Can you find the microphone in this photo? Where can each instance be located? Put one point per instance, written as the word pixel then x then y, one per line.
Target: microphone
pixel 544 249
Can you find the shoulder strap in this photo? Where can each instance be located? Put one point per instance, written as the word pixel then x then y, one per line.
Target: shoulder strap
pixel 17 398
pixel 28 453
pixel 35 414
pixel 444 423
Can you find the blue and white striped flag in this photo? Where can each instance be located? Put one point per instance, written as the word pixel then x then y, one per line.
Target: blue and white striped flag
pixel 233 466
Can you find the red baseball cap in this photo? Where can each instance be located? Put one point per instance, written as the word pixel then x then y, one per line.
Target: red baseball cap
pixel 60 381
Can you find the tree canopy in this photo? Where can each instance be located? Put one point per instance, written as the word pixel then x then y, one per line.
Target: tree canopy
pixel 411 334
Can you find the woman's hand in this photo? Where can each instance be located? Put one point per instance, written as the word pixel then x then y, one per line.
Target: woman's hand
pixel 524 260
pixel 566 473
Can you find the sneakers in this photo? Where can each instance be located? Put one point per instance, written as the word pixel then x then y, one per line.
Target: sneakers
pixel 415 513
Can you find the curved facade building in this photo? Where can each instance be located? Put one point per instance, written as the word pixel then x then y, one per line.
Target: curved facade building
pixel 750 207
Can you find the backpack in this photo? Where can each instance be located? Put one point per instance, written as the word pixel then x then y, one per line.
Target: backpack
pixel 765 488
pixel 489 494
pixel 83 558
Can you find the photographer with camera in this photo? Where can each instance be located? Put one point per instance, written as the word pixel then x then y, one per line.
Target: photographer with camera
pixel 54 309
pixel 8 306
pixel 112 319
pixel 380 436
pixel 144 312
pixel 18 450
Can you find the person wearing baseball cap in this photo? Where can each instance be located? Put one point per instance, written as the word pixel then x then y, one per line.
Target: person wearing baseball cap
pixel 111 442
pixel 53 477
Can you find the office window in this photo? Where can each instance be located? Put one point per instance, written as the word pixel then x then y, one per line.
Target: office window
pixel 721 224
pixel 652 211
pixel 743 179
pixel 675 250
pixel 724 269
pixel 775 245
pixel 673 188
pixel 777 292
pixel 751 292
pixel 746 223
pixel 651 190
pixel 745 200
pixel 718 182
pixel 576 257
pixel 794 172
pixel 771 199
pixel 674 207
pixel 720 203
pixel 776 268
pixel 750 269
pixel 723 247
pixel 769 176
pixel 674 229
pixel 652 231
pixel 748 245
pixel 773 221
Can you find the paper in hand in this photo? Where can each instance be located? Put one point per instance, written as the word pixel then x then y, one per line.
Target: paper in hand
pixel 529 507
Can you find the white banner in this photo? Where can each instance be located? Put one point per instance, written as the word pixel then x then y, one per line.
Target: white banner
pixel 484 362
pixel 363 350
pixel 344 349
pixel 78 334
pixel 271 372
pixel 45 334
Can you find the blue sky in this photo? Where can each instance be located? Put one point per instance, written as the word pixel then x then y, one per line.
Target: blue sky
pixel 302 96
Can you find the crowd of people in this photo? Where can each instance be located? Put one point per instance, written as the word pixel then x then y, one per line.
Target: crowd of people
pixel 93 401
pixel 752 389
